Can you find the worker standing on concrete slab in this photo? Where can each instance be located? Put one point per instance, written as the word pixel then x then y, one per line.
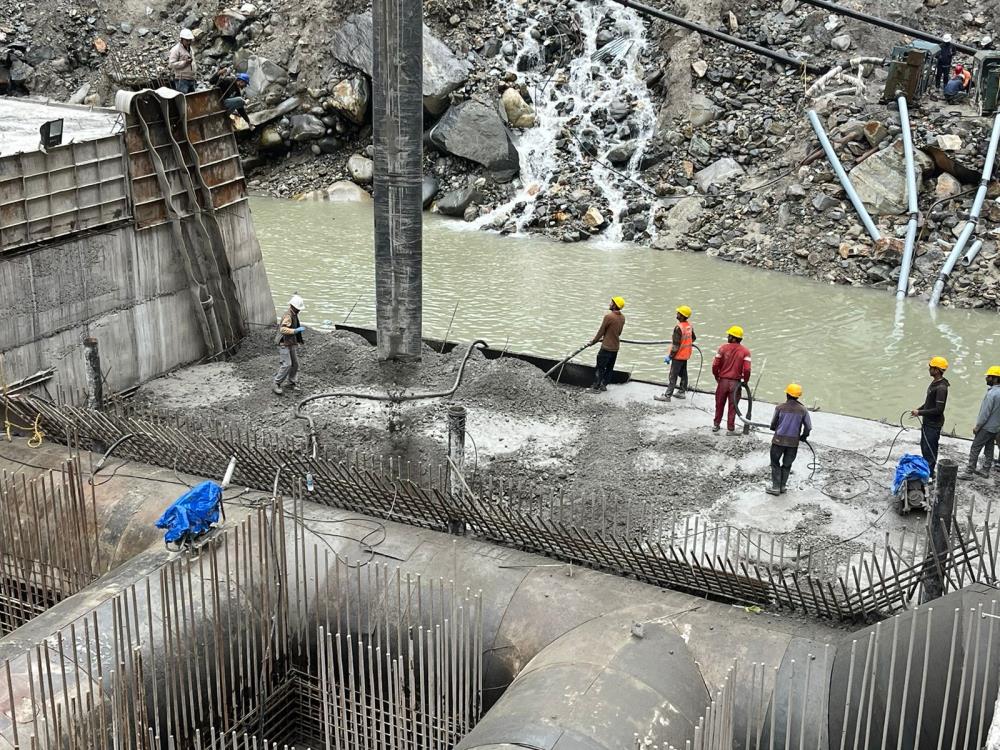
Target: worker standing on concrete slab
pixel 288 339
pixel 609 334
pixel 987 428
pixel 932 412
pixel 681 346
pixel 790 424
pixel 731 368
pixel 181 62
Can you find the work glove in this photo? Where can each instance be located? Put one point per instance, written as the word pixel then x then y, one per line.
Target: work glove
pixel 667 359
pixel 300 329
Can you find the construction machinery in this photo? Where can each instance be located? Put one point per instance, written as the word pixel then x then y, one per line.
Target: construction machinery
pixel 911 70
pixel 986 74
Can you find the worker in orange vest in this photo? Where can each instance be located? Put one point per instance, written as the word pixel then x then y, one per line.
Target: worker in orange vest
pixel 731 367
pixel 681 346
pixel 961 70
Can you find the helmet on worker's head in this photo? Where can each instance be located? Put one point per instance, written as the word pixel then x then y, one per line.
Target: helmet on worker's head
pixel 939 363
pixel 187 34
pixel 959 68
pixel 243 77
pixel 735 331
pixel 794 390
pixel 297 302
pixel 946 38
pixel 684 310
pixel 619 302
pixel 993 372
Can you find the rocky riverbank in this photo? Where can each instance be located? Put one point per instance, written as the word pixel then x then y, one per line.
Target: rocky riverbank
pixel 577 120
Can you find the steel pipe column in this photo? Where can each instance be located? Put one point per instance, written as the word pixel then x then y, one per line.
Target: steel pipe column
pixel 397 83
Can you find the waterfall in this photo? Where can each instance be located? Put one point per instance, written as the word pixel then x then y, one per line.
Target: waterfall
pixel 576 98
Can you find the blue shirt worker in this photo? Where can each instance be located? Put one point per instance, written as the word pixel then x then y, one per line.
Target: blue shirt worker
pixel 790 424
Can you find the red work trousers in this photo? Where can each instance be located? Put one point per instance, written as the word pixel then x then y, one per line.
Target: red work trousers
pixel 726 393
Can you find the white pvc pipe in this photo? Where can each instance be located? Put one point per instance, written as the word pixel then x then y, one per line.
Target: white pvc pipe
pixel 973 252
pixel 977 204
pixel 903 287
pixel 845 181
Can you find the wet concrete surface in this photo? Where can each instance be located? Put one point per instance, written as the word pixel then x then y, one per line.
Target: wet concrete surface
pixel 20 120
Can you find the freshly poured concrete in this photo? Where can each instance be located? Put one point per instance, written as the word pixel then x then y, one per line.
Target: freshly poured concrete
pixel 20 120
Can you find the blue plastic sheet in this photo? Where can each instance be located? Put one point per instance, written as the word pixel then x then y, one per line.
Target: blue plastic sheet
pixel 192 513
pixel 910 466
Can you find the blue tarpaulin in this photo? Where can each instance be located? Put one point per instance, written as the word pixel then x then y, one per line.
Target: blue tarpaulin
pixel 192 513
pixel 910 466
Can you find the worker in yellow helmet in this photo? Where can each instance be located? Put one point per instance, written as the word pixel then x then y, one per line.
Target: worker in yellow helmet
pixel 609 334
pixel 681 346
pixel 932 411
pixel 790 424
pixel 731 367
pixel 987 428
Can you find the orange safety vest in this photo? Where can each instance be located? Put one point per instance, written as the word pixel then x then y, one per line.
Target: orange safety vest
pixel 687 339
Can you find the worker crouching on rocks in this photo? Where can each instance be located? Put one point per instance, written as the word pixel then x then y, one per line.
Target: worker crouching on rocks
pixel 731 367
pixel 681 346
pixel 987 428
pixel 609 334
pixel 288 339
pixel 790 424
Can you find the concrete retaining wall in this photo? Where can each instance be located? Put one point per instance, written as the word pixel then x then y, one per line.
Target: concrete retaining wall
pixel 126 288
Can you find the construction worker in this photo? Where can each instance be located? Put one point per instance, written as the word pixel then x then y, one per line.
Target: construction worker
pixel 181 62
pixel 681 346
pixel 288 339
pixel 230 89
pixel 932 411
pixel 945 56
pixel 986 429
pixel 609 334
pixel 790 424
pixel 731 368
pixel 961 70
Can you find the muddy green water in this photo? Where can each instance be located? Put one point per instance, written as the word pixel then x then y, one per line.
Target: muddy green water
pixel 853 350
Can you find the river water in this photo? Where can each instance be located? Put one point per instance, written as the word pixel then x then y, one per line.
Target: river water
pixel 852 349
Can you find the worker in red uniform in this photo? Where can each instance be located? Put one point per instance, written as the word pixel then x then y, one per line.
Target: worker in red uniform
pixel 730 367
pixel 681 346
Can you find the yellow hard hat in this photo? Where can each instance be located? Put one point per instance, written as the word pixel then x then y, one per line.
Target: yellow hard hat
pixel 735 332
pixel 939 362
pixel 685 311
pixel 619 302
pixel 794 390
pixel 993 371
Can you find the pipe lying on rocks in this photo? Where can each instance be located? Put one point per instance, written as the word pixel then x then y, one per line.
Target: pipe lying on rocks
pixel 845 181
pixel 840 10
pixel 973 252
pixel 948 267
pixel 835 72
pixel 903 286
pixel 977 207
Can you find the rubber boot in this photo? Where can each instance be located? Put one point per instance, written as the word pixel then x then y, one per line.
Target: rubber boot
pixel 276 389
pixel 968 472
pixel 785 471
pixel 774 489
pixel 680 394
pixel 715 428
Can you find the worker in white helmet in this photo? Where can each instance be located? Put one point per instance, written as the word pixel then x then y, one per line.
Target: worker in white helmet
pixel 181 62
pixel 288 339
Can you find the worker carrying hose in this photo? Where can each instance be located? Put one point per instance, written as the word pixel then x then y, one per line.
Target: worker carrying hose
pixel 609 334
pixel 987 428
pixel 731 368
pixel 681 346
pixel 932 411
pixel 288 339
pixel 790 424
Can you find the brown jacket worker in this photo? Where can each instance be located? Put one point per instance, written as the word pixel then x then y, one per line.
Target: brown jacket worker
pixel 288 339
pixel 609 334
pixel 790 424
pixel 932 411
pixel 181 62
pixel 681 346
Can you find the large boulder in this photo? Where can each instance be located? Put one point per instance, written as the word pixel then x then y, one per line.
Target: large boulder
pixel 428 189
pixel 361 168
pixel 266 115
pixel 263 75
pixel 454 202
pixel 679 221
pixel 338 192
pixel 229 22
pixel 306 128
pixel 717 173
pixel 880 180
pixel 351 43
pixel 474 131
pixel 270 140
pixel 350 98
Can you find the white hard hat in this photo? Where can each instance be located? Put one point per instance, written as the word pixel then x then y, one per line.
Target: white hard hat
pixel 187 34
pixel 947 37
pixel 297 302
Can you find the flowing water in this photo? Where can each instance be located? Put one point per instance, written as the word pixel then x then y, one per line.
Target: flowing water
pixel 852 349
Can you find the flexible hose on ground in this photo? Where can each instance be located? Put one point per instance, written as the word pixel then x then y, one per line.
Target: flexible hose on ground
pixel 391 397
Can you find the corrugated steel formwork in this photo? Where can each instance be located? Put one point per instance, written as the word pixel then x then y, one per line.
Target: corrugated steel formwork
pixel 66 190
pixel 214 144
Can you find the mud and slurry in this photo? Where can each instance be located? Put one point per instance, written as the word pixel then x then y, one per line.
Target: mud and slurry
pixel 616 459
